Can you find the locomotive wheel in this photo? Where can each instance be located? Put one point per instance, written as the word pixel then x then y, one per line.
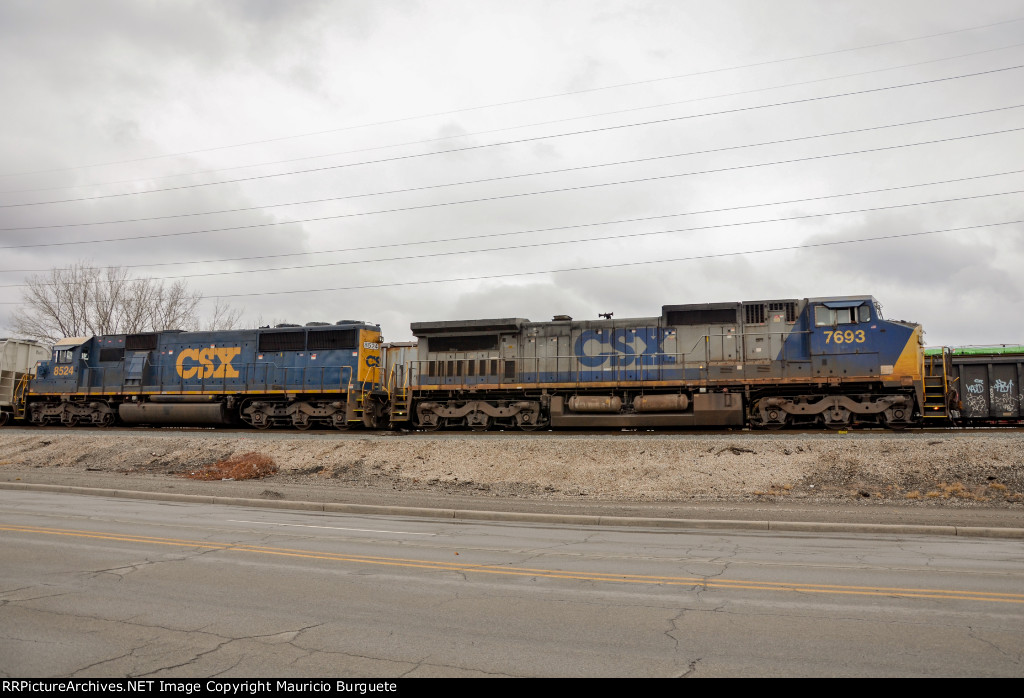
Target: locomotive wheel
pixel 522 421
pixel 106 419
pixel 777 419
pixel 837 418
pixel 302 426
pixel 4 417
pixel 529 426
pixel 72 421
pixel 478 421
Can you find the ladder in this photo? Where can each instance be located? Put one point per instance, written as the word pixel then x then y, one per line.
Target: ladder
pixel 399 398
pixel 20 396
pixel 936 387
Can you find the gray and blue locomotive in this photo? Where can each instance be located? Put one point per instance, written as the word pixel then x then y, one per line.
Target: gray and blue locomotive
pixel 828 361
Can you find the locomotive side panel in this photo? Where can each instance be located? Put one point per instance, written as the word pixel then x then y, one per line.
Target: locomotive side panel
pixel 826 360
pixel 286 376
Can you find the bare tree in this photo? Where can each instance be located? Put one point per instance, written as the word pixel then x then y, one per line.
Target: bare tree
pixel 84 300
pixel 223 317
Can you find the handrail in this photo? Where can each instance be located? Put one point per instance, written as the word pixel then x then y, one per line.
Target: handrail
pixel 19 399
pixel 309 379
pixel 615 366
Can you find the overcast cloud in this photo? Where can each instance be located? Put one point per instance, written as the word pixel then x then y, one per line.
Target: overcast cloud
pixel 104 101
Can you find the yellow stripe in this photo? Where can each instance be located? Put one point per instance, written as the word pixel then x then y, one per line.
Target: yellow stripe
pixel 911 360
pixel 200 392
pixel 465 567
pixel 674 384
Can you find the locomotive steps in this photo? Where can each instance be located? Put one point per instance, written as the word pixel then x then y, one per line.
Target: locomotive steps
pixel 961 469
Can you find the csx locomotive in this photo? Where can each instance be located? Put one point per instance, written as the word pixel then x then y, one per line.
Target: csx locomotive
pixel 322 374
pixel 768 364
pixel 830 361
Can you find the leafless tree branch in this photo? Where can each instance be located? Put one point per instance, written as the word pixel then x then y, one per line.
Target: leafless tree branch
pixel 84 300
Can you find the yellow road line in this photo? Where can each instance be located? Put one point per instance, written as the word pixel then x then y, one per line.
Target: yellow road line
pixel 701 582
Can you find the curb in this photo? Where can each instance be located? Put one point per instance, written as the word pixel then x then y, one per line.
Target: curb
pixel 525 517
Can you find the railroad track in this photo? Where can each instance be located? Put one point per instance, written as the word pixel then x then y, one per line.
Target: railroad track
pixel 467 433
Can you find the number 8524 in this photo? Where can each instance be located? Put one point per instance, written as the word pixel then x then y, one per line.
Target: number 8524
pixel 844 337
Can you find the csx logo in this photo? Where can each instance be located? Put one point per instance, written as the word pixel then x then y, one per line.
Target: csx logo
pixel 214 362
pixel 642 347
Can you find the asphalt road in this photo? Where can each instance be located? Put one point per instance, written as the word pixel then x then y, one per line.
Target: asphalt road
pixel 103 586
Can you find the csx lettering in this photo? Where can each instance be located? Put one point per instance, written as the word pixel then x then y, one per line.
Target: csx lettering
pixel 627 348
pixel 214 362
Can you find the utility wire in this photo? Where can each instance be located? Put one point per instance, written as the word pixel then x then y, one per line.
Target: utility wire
pixel 508 128
pixel 510 196
pixel 517 141
pixel 790 248
pixel 524 174
pixel 551 243
pixel 719 255
pixel 539 230
pixel 523 101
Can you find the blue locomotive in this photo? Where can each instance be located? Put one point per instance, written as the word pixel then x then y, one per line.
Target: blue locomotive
pixel 321 374
pixel 828 361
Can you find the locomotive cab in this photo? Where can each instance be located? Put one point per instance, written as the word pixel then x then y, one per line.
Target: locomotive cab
pixel 61 372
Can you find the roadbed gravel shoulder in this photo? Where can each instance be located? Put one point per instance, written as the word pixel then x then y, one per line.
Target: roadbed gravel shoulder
pixel 966 478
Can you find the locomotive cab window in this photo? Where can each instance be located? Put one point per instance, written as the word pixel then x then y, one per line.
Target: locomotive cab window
pixel 63 356
pixel 830 317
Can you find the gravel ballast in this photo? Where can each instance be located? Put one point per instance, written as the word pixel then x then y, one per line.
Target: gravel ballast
pixel 977 469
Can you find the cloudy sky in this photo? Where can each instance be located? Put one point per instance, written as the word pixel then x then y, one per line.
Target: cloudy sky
pixel 403 161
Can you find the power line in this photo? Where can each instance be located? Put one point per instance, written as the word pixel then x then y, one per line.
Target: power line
pixel 509 128
pixel 513 142
pixel 509 196
pixel 521 175
pixel 522 101
pixel 551 243
pixel 549 229
pixel 789 248
pixel 718 255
